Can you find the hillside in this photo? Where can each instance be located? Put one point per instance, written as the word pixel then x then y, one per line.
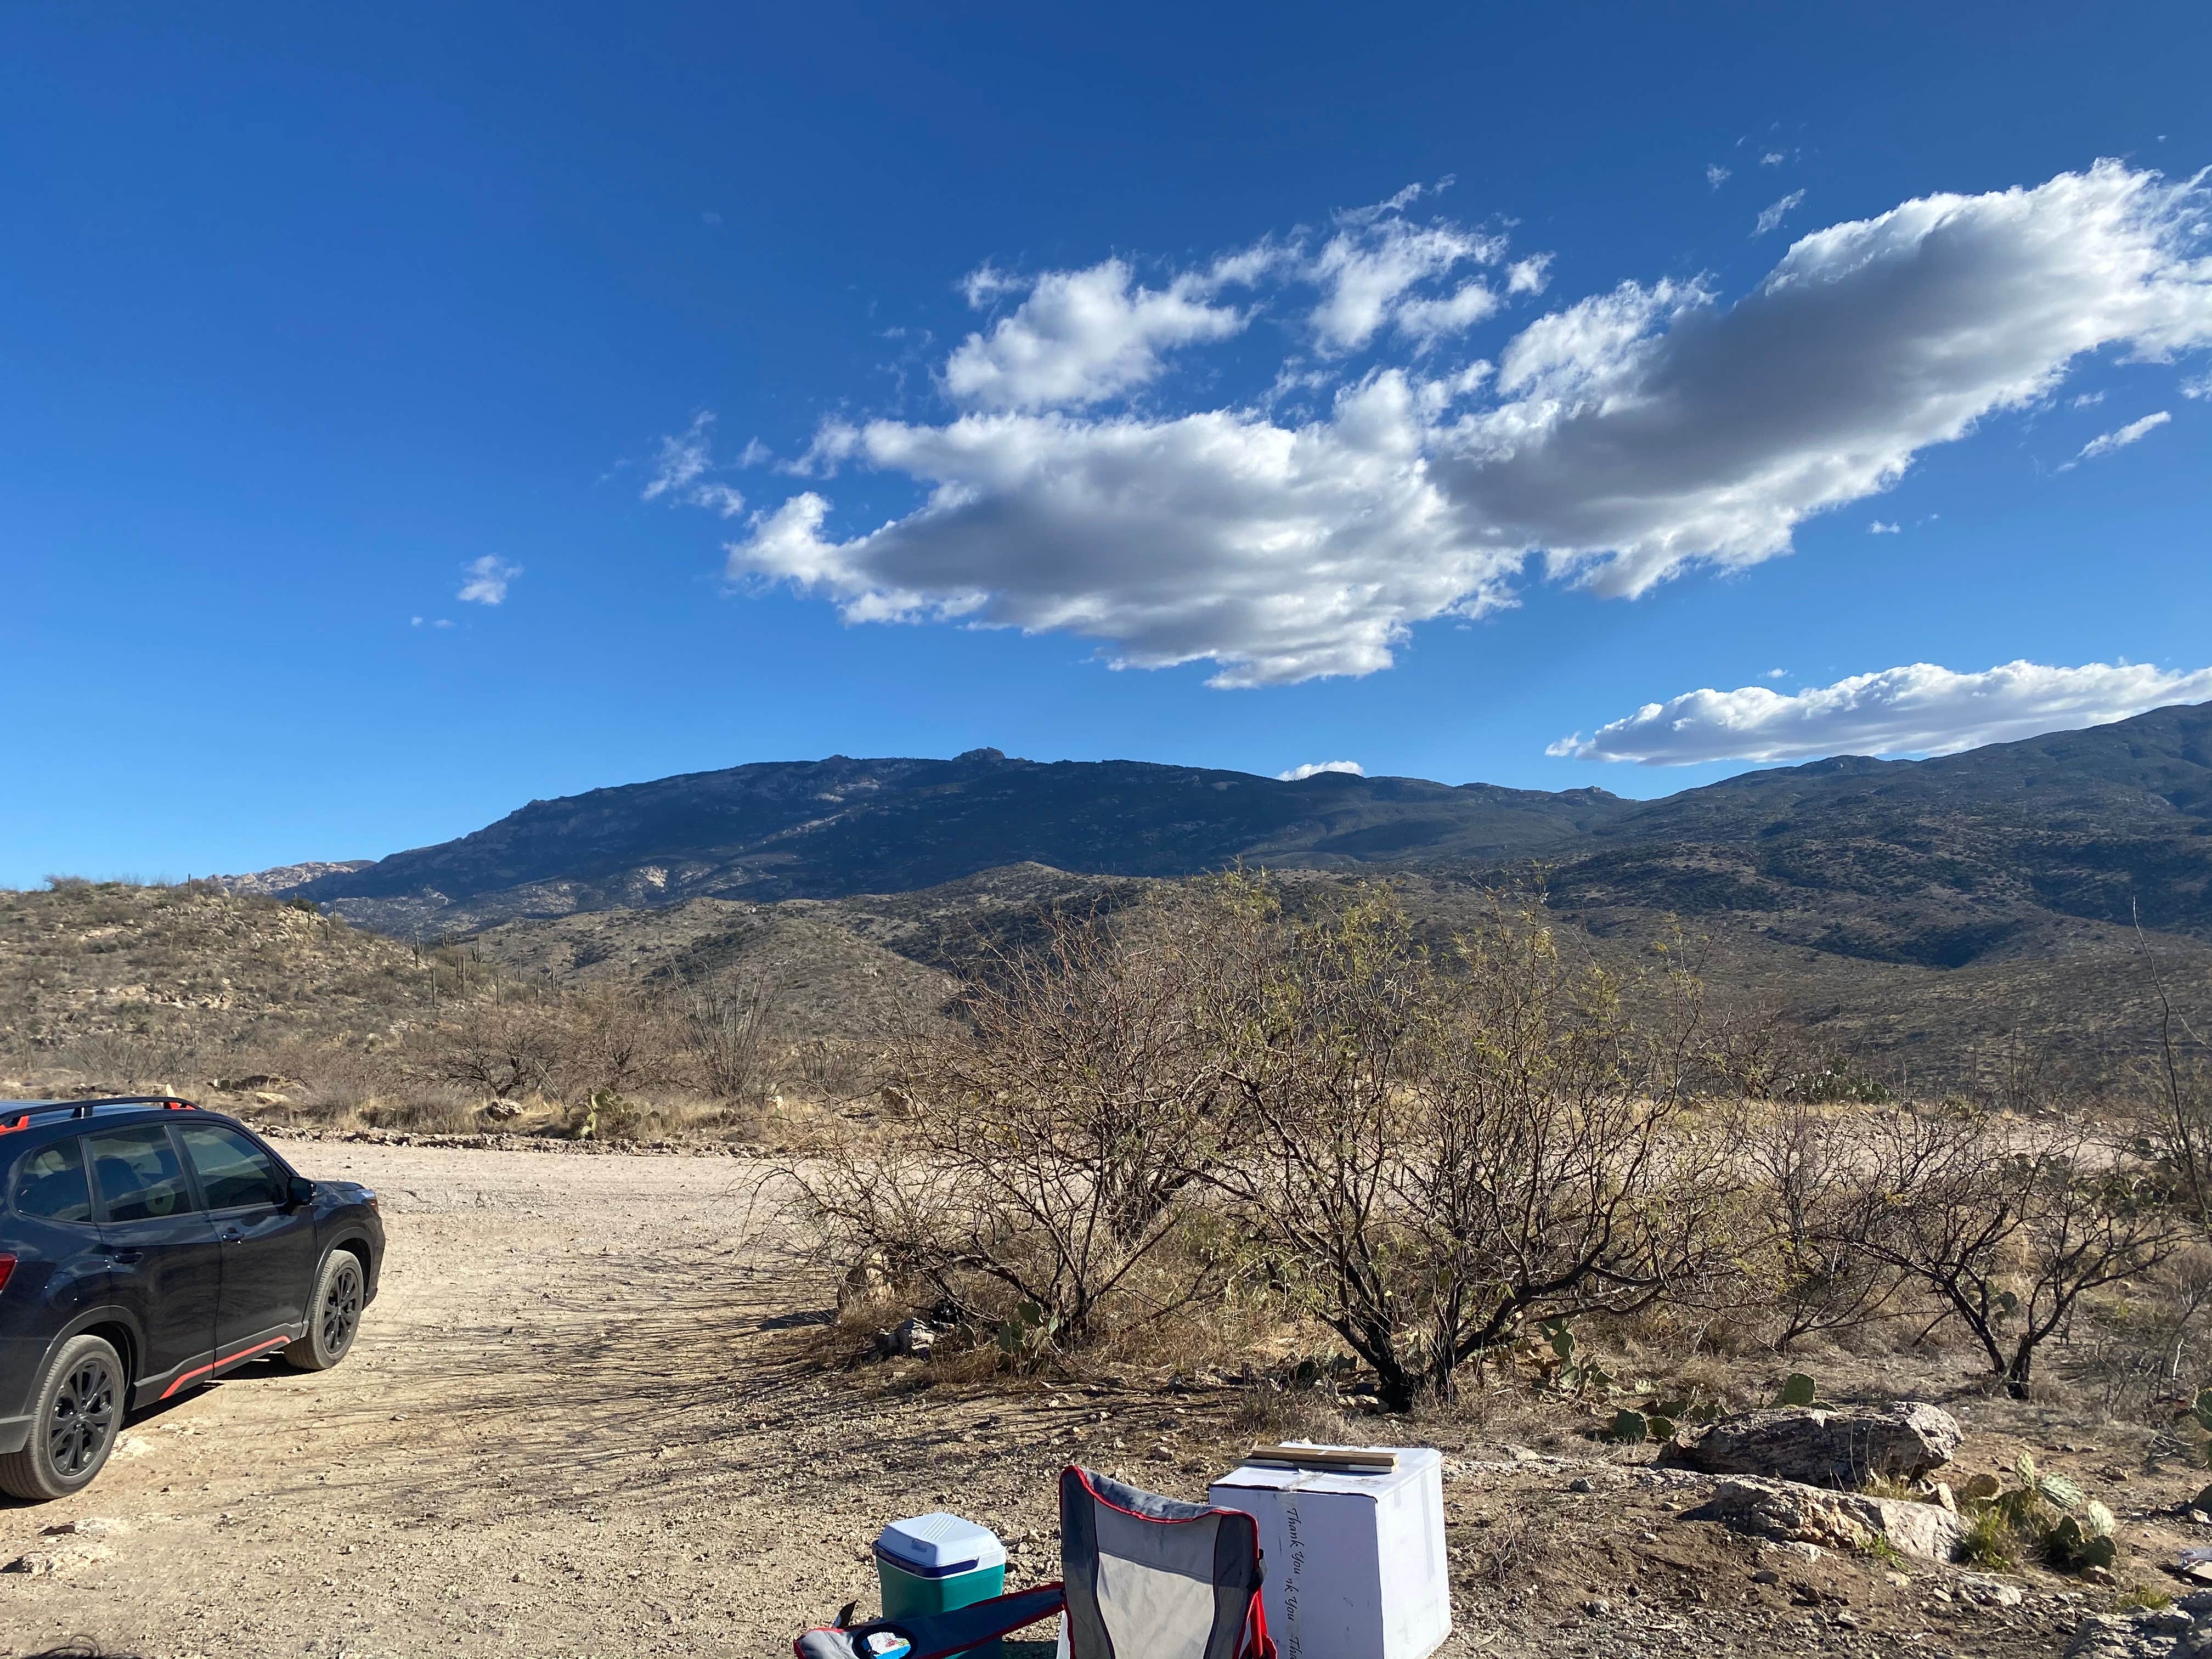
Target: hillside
pixel 107 986
pixel 1938 862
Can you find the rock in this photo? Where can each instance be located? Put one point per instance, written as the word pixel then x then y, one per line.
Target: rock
pixel 62 1559
pixel 1789 1511
pixel 1766 1576
pixel 2114 1636
pixel 910 1337
pixel 502 1111
pixel 1943 1497
pixel 1581 1483
pixel 1984 1591
pixel 1821 1446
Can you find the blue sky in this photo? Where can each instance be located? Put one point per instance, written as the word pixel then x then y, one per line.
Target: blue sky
pixel 1286 346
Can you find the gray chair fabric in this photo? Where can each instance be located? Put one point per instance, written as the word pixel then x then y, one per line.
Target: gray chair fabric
pixel 1148 1577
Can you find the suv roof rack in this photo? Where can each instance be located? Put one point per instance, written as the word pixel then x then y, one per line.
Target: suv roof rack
pixel 22 1116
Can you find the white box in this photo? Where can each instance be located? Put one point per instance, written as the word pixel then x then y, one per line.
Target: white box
pixel 1355 1562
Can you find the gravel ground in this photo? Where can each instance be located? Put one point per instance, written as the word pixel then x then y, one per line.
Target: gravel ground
pixel 585 1418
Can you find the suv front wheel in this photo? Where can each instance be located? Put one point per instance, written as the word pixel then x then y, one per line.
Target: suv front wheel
pixel 333 1315
pixel 78 1414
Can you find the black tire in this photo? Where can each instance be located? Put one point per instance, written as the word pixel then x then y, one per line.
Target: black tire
pixel 333 1315
pixel 77 1415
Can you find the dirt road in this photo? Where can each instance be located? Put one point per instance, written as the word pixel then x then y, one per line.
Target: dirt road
pixel 580 1421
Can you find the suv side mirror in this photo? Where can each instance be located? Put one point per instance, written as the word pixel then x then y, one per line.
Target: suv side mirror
pixel 302 1192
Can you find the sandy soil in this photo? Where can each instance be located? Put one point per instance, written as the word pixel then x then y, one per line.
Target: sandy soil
pixel 584 1419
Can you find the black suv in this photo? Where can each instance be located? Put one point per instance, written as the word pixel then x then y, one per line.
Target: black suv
pixel 147 1246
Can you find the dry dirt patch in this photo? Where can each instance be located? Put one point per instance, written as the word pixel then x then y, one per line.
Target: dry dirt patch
pixel 583 1420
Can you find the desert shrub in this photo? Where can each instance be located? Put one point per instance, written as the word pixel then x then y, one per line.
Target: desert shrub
pixel 1436 1155
pixel 725 1027
pixel 617 1040
pixel 131 1061
pixel 501 1048
pixel 1807 1178
pixel 1046 1150
pixel 2133 1344
pixel 2009 1224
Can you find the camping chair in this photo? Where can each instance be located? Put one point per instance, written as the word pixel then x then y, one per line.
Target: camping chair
pixel 1143 1577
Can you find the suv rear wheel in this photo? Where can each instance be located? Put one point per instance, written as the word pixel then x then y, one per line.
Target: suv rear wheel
pixel 333 1315
pixel 78 1414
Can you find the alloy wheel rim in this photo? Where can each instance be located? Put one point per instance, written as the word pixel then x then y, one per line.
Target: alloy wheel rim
pixel 341 1310
pixel 83 1418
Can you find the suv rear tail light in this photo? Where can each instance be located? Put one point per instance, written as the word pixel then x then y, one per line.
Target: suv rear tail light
pixel 7 1267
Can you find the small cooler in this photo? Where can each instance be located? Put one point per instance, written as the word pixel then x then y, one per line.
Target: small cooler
pixel 934 1563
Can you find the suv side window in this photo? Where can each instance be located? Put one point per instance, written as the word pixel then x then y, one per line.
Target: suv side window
pixel 50 1184
pixel 139 1176
pixel 234 1172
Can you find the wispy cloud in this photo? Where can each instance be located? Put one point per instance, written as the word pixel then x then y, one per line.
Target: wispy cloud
pixel 487 579
pixel 1619 440
pixel 1878 528
pixel 1314 769
pixel 1716 175
pixel 2106 443
pixel 681 467
pixel 1772 215
pixel 1920 709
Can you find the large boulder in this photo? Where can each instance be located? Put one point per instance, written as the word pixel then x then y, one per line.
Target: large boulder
pixel 1839 1446
pixel 1790 1513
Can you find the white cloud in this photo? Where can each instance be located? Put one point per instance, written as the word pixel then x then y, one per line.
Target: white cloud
pixel 1772 216
pixel 679 471
pixel 488 580
pixel 1312 768
pixel 2106 443
pixel 2087 400
pixel 1716 175
pixel 1080 337
pixel 2198 386
pixel 1279 553
pixel 1878 528
pixel 1774 158
pixel 1530 276
pixel 1368 270
pixel 1623 439
pixel 1920 709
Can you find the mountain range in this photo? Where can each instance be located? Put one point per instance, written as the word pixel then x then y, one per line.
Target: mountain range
pixel 1938 861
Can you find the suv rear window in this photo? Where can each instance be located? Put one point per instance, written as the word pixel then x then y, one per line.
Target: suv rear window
pixel 139 1175
pixel 50 1184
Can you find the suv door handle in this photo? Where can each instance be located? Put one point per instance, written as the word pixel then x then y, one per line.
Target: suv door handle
pixel 231 1235
pixel 127 1257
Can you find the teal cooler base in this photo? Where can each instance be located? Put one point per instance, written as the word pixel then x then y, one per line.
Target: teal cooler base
pixel 907 1596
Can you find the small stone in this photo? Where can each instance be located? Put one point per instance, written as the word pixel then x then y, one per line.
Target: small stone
pixel 1597 1607
pixel 1581 1483
pixel 1766 1576
pixel 1647 1537
pixel 1160 1455
pixel 1898 1579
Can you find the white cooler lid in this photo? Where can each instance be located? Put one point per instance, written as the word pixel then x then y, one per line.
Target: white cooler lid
pixel 939 1544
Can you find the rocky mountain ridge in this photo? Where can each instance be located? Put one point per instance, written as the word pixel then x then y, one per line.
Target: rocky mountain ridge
pixel 2011 848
